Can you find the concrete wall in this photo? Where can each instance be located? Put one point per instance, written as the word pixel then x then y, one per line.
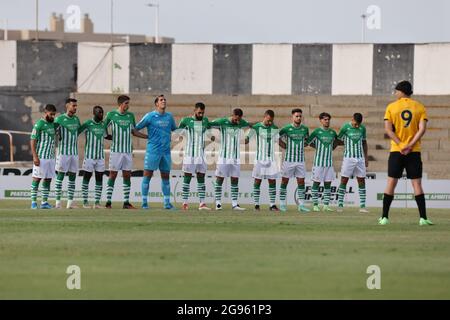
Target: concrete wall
pixel 102 69
pixel 272 69
pixel 225 69
pixel 232 69
pixel 352 69
pixel 311 69
pixel 8 63
pixel 45 72
pixel 392 62
pixel 432 69
pixel 150 67
pixel 192 68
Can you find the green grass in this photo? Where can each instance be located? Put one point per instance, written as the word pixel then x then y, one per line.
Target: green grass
pixel 158 254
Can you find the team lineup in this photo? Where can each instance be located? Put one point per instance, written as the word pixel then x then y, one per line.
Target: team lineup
pixel 54 144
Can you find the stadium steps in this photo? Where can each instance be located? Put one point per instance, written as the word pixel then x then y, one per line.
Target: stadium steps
pixel 435 144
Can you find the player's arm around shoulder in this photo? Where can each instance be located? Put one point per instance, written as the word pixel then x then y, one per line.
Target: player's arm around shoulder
pixel 33 142
pixel 83 127
pixel 311 138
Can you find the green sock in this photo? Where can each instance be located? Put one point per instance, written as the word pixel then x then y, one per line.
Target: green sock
pixel 186 187
pixel 362 195
pixel 34 190
pixel 126 189
pixel 201 189
pixel 283 190
pixel 272 193
pixel 58 185
pixel 71 185
pixel 218 190
pixel 98 190
pixel 234 193
pixel 45 190
pixel 341 194
pixel 109 189
pixel 301 194
pixel 256 192
pixel 326 193
pixel 85 189
pixel 315 193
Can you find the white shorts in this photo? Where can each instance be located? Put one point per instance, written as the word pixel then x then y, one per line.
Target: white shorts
pixel 322 174
pixel 97 165
pixel 194 165
pixel 120 161
pixel 265 170
pixel 293 169
pixel 228 170
pixel 46 169
pixel 353 167
pixel 67 163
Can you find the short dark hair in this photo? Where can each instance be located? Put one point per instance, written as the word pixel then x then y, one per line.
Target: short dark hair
pixel 157 98
pixel 238 112
pixel 324 115
pixel 97 107
pixel 122 98
pixel 405 87
pixel 297 110
pixel 200 105
pixel 270 113
pixel 50 108
pixel 70 100
pixel 358 117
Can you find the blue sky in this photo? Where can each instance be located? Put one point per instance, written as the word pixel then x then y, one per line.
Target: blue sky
pixel 252 21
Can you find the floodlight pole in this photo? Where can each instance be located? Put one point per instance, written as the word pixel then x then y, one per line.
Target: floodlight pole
pixel 156 5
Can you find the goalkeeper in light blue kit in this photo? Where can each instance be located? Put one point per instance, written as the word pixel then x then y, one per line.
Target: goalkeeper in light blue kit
pixel 160 125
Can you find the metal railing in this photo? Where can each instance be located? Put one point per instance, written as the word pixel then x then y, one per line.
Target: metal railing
pixel 10 133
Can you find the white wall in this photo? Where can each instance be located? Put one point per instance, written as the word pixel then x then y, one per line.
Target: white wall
pixel 95 68
pixel 8 63
pixel 192 66
pixel 272 69
pixel 352 69
pixel 432 69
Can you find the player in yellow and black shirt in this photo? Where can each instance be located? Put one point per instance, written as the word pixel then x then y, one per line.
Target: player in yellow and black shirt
pixel 405 122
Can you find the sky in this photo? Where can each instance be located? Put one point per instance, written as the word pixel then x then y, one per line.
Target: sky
pixel 252 21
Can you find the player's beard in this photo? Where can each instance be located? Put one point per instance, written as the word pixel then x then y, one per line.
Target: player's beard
pixel 198 118
pixel 49 119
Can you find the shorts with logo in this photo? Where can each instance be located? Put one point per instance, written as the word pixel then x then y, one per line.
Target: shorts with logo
pixel 46 169
pixel 265 169
pixel 355 167
pixel 323 174
pixel 67 163
pixel 153 162
pixel 120 161
pixel 293 169
pixel 91 165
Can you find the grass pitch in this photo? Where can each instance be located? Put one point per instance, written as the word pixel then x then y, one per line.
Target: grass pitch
pixel 158 254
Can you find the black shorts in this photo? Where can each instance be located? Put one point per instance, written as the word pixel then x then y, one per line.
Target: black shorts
pixel 412 162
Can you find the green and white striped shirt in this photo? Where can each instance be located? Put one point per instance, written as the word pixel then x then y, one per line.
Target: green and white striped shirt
pixel 323 140
pixel 95 135
pixel 295 142
pixel 353 140
pixel 121 126
pixel 230 135
pixel 266 139
pixel 67 129
pixel 195 129
pixel 44 134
